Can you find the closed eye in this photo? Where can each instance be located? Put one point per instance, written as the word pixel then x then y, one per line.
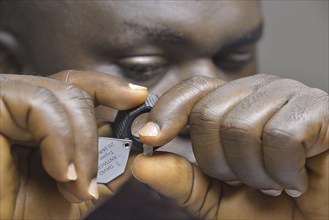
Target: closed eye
pixel 235 60
pixel 143 68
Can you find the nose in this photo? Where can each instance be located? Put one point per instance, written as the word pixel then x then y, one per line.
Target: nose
pixel 187 69
pixel 201 67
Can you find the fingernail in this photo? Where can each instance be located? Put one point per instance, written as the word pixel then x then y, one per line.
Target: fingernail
pixel 71 172
pixel 293 193
pixel 271 192
pixel 93 189
pixel 150 129
pixel 137 87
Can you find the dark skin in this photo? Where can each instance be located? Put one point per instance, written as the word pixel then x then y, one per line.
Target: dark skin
pixel 240 130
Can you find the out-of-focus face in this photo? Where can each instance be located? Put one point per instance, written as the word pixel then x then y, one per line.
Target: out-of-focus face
pixel 152 43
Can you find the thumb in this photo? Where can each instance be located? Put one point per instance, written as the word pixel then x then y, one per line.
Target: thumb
pixel 106 191
pixel 315 201
pixel 182 182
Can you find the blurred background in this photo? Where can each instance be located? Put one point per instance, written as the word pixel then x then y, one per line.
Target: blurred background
pixel 295 41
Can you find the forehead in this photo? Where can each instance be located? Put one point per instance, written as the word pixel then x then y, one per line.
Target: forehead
pixel 182 14
pixel 196 20
pixel 119 21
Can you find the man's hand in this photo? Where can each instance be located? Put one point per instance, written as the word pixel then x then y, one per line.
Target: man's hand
pixel 207 198
pixel 48 138
pixel 268 133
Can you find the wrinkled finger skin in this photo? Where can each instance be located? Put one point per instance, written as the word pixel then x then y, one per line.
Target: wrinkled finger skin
pixel 171 111
pixel 32 194
pixel 48 139
pixel 208 198
pixel 260 130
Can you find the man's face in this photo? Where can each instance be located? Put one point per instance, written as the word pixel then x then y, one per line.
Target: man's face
pixel 151 43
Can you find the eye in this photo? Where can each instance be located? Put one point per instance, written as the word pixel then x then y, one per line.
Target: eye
pixel 143 68
pixel 235 60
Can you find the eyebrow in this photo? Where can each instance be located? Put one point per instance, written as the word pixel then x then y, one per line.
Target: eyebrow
pixel 249 37
pixel 164 34
pixel 159 33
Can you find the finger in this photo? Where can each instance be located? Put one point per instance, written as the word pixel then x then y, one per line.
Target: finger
pixel 105 89
pixel 79 107
pixel 104 129
pixel 9 179
pixel 242 128
pixel 315 201
pixel 304 134
pixel 37 110
pixel 84 130
pixel 183 183
pixel 171 112
pixel 106 191
pixel 114 186
pixel 206 119
pixel 17 133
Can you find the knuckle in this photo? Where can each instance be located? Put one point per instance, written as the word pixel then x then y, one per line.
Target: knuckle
pixel 235 123
pixel 204 115
pixel 75 93
pixel 234 128
pixel 320 95
pixel 291 83
pixel 43 96
pixel 89 100
pixel 81 97
pixel 265 77
pixel 252 99
pixel 33 95
pixel 196 80
pixel 202 83
pixel 280 138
